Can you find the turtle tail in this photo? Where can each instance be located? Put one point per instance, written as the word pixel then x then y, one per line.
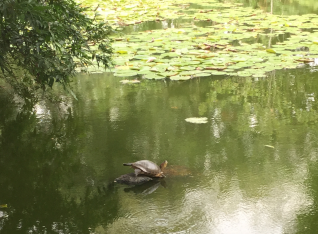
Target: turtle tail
pixel 127 164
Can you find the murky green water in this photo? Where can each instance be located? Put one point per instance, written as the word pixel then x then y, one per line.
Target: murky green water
pixel 57 169
pixel 253 168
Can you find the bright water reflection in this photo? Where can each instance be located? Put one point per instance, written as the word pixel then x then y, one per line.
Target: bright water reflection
pixel 209 207
pixel 209 210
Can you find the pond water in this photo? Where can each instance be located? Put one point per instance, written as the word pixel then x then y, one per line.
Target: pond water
pixel 252 168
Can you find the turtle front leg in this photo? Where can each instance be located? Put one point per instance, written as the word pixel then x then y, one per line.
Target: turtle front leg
pixel 137 172
pixel 160 175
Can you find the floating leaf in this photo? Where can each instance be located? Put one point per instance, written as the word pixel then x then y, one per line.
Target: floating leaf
pixel 151 59
pixel 178 77
pixel 153 76
pixel 165 74
pixel 141 57
pixel 202 74
pixel 126 73
pixel 121 51
pixel 271 51
pixel 187 68
pixel 129 81
pixel 197 120
pixel 218 73
pixel 270 146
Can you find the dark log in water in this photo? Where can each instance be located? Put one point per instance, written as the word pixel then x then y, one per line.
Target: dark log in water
pixel 132 179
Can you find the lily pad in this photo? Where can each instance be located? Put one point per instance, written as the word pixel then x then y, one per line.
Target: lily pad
pixel 153 76
pixel 129 81
pixel 126 73
pixel 178 77
pixel 202 74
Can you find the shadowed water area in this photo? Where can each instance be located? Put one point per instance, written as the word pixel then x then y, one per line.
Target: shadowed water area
pixel 252 168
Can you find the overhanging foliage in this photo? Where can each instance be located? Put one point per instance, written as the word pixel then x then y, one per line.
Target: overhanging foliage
pixel 42 41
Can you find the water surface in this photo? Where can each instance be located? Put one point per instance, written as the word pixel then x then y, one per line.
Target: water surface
pixel 252 168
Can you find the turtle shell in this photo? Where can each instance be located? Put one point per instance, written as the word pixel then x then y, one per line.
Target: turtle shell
pixel 146 167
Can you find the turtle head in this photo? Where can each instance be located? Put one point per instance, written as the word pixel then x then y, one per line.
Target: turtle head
pixel 163 165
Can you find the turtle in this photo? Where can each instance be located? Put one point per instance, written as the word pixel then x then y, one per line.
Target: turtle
pixel 148 168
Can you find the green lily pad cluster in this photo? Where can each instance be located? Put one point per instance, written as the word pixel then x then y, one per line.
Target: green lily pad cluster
pixel 121 13
pixel 238 41
pixel 185 53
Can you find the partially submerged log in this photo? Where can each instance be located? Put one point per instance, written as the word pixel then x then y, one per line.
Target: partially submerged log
pixel 132 179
